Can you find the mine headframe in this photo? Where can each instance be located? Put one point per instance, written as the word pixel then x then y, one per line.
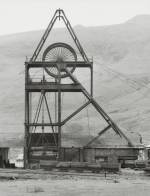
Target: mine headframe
pixel 59 61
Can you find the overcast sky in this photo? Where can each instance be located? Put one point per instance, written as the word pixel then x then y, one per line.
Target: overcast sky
pixel 26 15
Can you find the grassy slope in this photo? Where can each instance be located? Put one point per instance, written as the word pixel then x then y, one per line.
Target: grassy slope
pixel 121 77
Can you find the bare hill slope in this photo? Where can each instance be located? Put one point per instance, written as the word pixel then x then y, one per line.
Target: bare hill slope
pixel 121 77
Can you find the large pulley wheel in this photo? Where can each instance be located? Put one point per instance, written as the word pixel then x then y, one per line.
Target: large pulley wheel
pixel 59 54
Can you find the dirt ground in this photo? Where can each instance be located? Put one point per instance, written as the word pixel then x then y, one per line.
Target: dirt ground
pixel 128 183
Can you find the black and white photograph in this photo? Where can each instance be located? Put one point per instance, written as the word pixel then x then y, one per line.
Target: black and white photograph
pixel 74 97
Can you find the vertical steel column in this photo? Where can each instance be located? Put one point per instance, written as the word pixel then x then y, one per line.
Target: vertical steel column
pixel 59 119
pixel 56 115
pixel 91 69
pixel 27 116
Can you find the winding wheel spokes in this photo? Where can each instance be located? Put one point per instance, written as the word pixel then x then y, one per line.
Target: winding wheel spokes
pixel 59 53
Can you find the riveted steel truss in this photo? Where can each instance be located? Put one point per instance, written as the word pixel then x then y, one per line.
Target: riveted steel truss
pixel 52 141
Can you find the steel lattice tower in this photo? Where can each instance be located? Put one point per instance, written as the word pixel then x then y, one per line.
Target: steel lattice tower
pixel 59 61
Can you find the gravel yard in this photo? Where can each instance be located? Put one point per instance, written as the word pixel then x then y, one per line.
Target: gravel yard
pixel 128 183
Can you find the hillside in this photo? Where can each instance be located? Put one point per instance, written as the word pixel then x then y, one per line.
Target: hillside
pixel 121 77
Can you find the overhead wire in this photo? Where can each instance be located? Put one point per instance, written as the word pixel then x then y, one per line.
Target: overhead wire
pixel 133 83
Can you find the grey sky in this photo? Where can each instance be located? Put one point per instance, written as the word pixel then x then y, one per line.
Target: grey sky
pixel 26 15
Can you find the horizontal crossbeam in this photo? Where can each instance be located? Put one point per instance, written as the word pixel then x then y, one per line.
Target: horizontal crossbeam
pixel 41 64
pixel 41 124
pixel 50 87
